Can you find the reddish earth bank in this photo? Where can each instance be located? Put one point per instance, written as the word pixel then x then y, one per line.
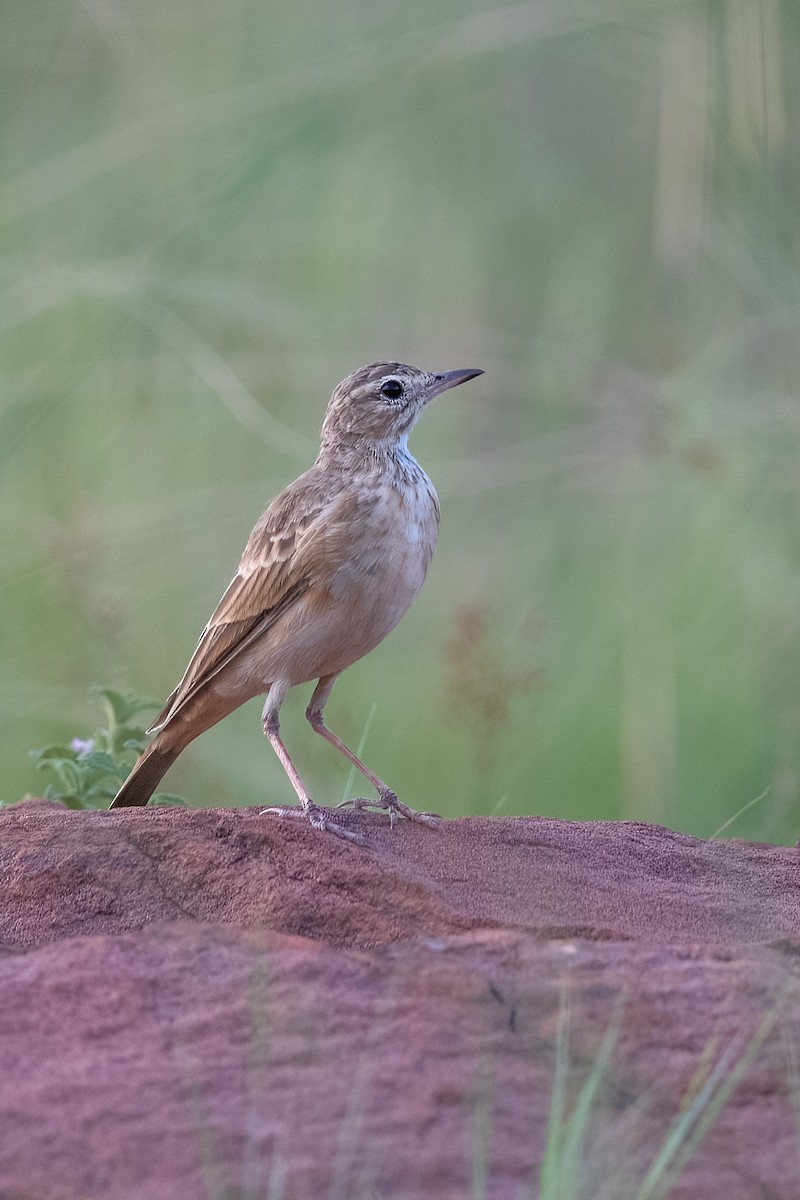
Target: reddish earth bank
pixel 214 1003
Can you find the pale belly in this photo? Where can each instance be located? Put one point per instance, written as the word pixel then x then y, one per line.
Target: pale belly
pixel 361 611
pixel 333 626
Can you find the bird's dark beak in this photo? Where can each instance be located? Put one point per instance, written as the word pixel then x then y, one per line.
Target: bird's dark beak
pixel 451 379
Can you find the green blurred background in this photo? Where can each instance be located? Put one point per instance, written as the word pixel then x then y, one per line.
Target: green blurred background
pixel 211 213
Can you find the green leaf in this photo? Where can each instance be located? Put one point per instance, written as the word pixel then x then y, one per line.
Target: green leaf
pixel 123 705
pixel 133 733
pixel 71 801
pixel 100 761
pixel 168 799
pixel 135 743
pixel 43 756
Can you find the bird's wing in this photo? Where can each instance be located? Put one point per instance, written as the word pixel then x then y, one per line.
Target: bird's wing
pixel 294 544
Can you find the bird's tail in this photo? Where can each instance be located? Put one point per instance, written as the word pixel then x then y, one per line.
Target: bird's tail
pixel 145 776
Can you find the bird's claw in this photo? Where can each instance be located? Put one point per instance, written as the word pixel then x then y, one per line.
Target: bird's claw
pixel 388 802
pixel 317 819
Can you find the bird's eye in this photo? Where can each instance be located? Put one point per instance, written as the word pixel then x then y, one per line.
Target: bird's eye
pixel 392 389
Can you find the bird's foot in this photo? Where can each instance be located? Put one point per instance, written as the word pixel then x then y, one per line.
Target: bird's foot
pixel 318 819
pixel 388 802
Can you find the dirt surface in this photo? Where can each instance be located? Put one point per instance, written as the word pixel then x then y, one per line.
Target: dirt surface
pixel 214 1003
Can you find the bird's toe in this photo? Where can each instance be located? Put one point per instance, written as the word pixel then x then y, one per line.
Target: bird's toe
pixel 317 819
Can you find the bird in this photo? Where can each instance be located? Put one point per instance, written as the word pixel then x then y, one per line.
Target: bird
pixel 329 569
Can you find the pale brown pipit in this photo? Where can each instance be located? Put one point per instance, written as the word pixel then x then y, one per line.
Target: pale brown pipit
pixel 328 571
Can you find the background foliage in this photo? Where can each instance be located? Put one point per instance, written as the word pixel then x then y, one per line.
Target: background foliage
pixel 211 213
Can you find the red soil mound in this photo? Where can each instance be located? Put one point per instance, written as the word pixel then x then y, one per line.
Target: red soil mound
pixel 215 1003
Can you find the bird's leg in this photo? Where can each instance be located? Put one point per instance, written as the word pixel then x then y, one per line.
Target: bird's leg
pixel 316 817
pixel 388 799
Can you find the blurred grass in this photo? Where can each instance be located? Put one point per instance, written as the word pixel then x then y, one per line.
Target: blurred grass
pixel 208 216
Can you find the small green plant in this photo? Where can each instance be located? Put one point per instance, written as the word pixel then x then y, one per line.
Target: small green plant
pixel 89 770
pixel 563 1162
pixel 566 1171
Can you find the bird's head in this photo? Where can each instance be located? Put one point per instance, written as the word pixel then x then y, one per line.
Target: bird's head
pixel 380 403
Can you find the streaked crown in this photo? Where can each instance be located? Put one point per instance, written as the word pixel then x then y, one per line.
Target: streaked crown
pixel 382 401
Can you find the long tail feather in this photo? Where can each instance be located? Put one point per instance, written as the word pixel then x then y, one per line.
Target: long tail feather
pixel 145 776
